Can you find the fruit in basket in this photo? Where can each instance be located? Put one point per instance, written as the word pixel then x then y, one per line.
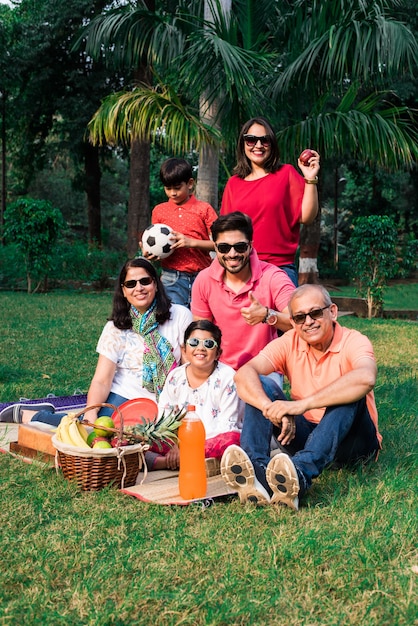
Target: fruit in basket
pixel 161 430
pixel 101 443
pixel 76 435
pixel 105 421
pixel 91 438
pixel 95 439
pixel 117 441
pixel 71 432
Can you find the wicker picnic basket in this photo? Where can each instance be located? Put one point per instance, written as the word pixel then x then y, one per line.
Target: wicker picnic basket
pixel 95 469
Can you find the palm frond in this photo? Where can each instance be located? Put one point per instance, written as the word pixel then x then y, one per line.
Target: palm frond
pixel 154 113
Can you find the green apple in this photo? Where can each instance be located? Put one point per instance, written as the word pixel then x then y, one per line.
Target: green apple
pixel 102 443
pixel 91 437
pixel 105 421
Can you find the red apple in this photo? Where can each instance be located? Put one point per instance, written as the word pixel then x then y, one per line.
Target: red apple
pixel 115 442
pixel 305 156
pixel 94 440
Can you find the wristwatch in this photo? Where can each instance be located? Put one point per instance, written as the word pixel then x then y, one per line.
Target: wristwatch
pixel 271 317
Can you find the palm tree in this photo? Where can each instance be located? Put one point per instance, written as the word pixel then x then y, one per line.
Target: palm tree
pixel 342 58
pixel 318 70
pixel 184 108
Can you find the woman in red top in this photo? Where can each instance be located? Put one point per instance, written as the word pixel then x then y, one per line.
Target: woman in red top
pixel 276 197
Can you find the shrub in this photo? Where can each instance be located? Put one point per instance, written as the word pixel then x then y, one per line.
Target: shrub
pixel 373 258
pixel 34 226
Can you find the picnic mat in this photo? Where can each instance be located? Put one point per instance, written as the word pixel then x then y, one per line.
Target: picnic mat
pixel 161 487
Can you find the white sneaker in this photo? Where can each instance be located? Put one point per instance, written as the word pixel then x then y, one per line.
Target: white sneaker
pixel 283 479
pixel 238 473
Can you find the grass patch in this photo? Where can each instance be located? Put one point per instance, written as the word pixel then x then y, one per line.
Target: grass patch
pixel 107 559
pixel 402 296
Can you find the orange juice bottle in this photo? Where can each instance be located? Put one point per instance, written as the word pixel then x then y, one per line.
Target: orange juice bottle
pixel 192 474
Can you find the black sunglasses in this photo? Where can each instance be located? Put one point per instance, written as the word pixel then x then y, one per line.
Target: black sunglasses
pixel 251 140
pixel 240 247
pixel 130 284
pixel 210 344
pixel 315 314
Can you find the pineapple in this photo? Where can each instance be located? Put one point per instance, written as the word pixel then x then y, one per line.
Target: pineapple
pixel 162 430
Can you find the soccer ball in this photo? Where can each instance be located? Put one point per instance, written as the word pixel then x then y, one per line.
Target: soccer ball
pixel 157 239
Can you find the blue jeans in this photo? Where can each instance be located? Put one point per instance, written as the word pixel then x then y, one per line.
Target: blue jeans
pixel 178 286
pixel 54 418
pixel 346 434
pixel 292 272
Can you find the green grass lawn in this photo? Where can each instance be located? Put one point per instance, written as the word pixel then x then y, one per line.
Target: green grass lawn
pixel 396 296
pixel 347 557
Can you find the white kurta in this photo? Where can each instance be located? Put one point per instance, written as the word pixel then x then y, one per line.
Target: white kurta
pixel 216 401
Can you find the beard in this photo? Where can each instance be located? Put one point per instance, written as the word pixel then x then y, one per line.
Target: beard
pixel 241 263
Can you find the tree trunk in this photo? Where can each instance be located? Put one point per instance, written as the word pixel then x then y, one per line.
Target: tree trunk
pixel 139 215
pixel 92 187
pixel 208 174
pixel 310 238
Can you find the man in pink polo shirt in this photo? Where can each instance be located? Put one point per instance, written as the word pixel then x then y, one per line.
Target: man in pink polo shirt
pixel 331 418
pixel 247 298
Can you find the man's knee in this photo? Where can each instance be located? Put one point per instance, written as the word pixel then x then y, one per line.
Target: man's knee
pixel 272 389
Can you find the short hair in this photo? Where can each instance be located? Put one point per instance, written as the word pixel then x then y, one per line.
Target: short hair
pixel 120 310
pixel 232 221
pixel 299 291
pixel 272 164
pixel 175 171
pixel 209 327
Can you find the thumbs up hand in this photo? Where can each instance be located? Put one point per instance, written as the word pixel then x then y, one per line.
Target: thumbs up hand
pixel 255 313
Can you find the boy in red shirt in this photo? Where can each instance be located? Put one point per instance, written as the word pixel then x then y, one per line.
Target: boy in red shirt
pixel 190 220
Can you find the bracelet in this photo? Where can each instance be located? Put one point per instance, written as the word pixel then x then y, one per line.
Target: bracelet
pixel 266 315
pixel 311 181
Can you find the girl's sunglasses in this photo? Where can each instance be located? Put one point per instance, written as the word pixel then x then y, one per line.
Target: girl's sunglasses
pixel 251 140
pixel 130 284
pixel 210 344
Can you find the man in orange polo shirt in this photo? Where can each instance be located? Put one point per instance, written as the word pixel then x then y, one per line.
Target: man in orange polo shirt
pixel 331 418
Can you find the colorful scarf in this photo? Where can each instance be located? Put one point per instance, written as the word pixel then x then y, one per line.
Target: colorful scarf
pixel 158 357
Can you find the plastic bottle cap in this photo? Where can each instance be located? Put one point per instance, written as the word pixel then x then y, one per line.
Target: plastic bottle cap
pixel 191 407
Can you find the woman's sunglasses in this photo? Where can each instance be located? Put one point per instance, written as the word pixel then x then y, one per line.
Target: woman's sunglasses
pixel 130 284
pixel 251 140
pixel 210 344
pixel 240 247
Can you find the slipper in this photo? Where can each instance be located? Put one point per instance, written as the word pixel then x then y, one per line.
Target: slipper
pixel 13 413
pixel 238 472
pixel 283 479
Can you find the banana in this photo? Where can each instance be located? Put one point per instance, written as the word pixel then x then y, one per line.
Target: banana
pixel 83 431
pixel 63 432
pixel 76 436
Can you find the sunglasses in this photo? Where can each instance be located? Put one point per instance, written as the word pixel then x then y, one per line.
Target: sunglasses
pixel 252 140
pixel 315 314
pixel 130 284
pixel 210 344
pixel 240 247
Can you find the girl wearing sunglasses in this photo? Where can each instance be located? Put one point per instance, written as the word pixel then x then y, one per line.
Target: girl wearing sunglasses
pixel 208 384
pixel 276 197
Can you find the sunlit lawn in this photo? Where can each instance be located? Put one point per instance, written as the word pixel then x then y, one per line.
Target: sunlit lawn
pixel 347 558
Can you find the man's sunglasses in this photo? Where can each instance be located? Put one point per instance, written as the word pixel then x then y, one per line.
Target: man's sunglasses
pixel 251 140
pixel 130 284
pixel 210 344
pixel 315 314
pixel 240 247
